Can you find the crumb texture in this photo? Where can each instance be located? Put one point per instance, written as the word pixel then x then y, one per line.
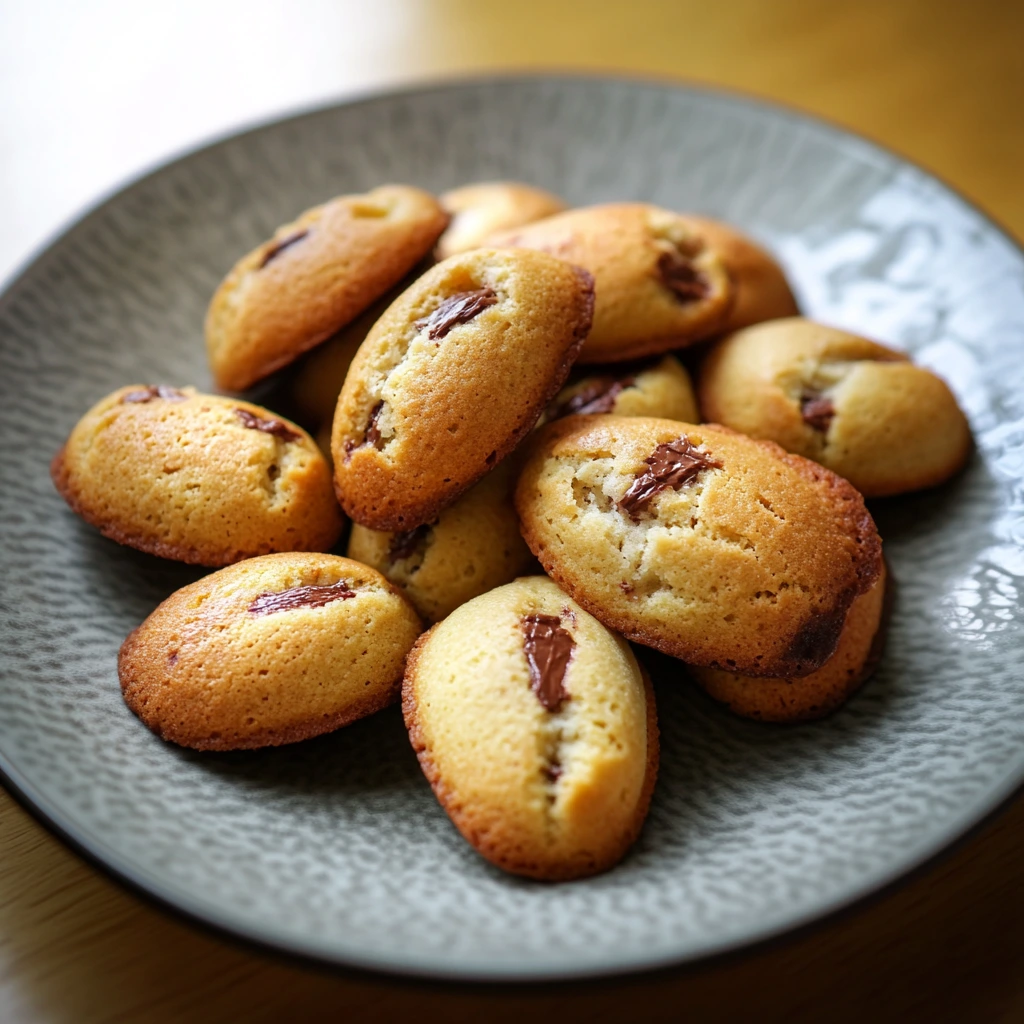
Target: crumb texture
pixel 746 561
pixel 445 386
pixel 860 408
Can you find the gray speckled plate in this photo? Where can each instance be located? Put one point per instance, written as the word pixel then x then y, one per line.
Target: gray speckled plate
pixel 336 848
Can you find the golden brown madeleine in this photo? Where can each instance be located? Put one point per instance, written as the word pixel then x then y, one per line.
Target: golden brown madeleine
pixel 269 651
pixel 481 209
pixel 861 409
pixel 818 694
pixel 473 546
pixel 313 277
pixel 536 729
pixel 659 285
pixel 197 478
pixel 657 387
pixel 451 378
pixel 698 541
pixel 762 291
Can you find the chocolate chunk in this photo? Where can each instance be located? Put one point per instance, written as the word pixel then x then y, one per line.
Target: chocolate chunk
pixel 372 433
pixel 681 277
pixel 817 410
pixel 548 648
pixel 671 465
pixel 816 640
pixel 408 542
pixel 456 309
pixel 595 398
pixel 301 597
pixel 147 394
pixel 279 246
pixel 275 427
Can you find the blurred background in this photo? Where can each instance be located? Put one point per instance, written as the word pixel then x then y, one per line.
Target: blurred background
pixel 93 93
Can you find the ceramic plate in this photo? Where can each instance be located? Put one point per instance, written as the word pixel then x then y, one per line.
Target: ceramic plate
pixel 336 848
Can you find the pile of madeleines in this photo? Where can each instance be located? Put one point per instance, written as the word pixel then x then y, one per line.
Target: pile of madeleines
pixel 490 385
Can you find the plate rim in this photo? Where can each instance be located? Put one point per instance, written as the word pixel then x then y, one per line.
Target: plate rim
pixel 436 972
pixel 443 83
pixel 433 970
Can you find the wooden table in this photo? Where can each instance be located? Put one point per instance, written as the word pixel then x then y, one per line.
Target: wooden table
pixel 942 83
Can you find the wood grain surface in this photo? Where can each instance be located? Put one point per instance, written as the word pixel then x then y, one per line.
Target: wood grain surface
pixel 943 84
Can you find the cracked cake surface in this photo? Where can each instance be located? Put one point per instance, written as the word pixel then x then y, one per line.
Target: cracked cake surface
pixel 696 540
pixel 146 466
pixel 536 728
pixel 862 409
pixel 651 387
pixel 761 289
pixel 449 380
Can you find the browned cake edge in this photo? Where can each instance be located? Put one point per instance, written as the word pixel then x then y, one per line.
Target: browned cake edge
pixel 242 375
pixel 814 641
pixel 816 708
pixel 213 557
pixel 135 696
pixel 385 516
pixel 488 848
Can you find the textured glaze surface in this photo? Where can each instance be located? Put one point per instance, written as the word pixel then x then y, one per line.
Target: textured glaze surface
pixel 336 847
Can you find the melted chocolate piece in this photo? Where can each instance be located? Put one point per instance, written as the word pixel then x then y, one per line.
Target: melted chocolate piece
pixel 548 648
pixel 817 411
pixel 456 309
pixel 301 597
pixel 595 398
pixel 372 433
pixel 816 640
pixel 147 394
pixel 671 465
pixel 279 246
pixel 408 542
pixel 681 277
pixel 275 427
